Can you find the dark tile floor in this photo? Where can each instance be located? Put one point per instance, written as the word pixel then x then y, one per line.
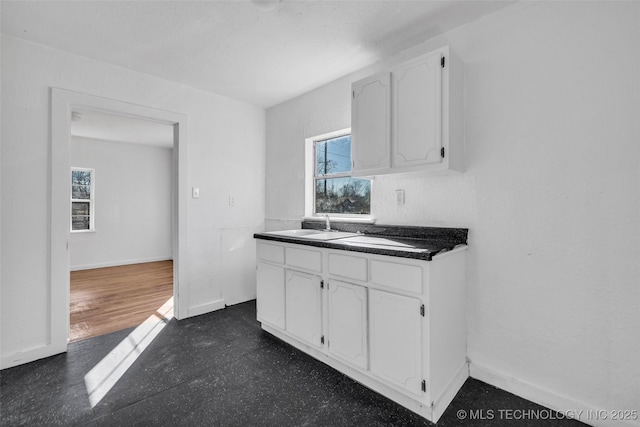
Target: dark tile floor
pixel 221 369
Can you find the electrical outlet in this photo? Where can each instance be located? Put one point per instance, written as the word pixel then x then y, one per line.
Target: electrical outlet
pixel 232 201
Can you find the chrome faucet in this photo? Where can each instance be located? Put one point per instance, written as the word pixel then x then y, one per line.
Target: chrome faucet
pixel 328 223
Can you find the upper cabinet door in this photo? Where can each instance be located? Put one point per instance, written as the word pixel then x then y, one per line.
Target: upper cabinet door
pixel 417 111
pixel 425 131
pixel 371 123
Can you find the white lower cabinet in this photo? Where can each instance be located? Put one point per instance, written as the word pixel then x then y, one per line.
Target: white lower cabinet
pixel 270 294
pixel 394 324
pixel 304 307
pixel 395 332
pixel 347 320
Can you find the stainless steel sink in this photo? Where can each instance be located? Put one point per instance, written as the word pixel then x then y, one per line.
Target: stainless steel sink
pixel 294 233
pixel 330 235
pixel 380 241
pixel 312 234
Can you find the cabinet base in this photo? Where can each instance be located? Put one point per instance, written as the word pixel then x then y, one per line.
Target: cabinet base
pixel 430 409
pixel 441 403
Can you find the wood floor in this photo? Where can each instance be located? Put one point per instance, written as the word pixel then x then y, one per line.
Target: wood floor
pixel 105 300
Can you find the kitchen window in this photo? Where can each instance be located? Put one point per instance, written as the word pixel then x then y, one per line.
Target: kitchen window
pixel 334 191
pixel 82 199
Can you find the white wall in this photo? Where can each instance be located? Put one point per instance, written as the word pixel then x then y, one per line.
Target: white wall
pixel 551 195
pixel 132 204
pixel 226 157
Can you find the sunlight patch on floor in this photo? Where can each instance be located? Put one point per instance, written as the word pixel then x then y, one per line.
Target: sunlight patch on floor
pixel 102 377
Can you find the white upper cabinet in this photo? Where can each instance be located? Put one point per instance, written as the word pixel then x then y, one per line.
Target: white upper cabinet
pixel 371 123
pixel 420 124
pixel 417 112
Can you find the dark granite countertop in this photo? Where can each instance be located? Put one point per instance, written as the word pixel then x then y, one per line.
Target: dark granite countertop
pixel 399 241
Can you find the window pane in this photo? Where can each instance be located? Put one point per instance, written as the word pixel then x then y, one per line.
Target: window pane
pixel 80 184
pixel 343 195
pixel 81 199
pixel 80 208
pixel 80 191
pixel 333 155
pixel 80 177
pixel 80 223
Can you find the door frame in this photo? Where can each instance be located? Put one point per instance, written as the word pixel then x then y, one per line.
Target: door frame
pixel 63 102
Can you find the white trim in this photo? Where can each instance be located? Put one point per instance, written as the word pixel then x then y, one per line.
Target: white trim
pixel 544 397
pixel 309 160
pixel 118 263
pixel 62 104
pixel 206 308
pixel 26 356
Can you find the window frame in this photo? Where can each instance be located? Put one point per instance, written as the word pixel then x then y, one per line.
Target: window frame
pixel 90 200
pixel 311 178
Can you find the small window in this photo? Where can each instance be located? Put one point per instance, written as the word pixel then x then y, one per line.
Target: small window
pixel 82 199
pixel 335 191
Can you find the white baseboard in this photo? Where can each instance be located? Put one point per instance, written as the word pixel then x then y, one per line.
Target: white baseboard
pixel 30 355
pixel 205 308
pixel 118 263
pixel 585 413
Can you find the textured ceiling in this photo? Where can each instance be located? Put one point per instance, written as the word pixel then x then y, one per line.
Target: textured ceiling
pixel 239 48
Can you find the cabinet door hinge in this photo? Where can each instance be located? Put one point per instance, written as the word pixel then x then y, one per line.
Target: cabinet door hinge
pixel 322 339
pixel 422 310
pixel 442 152
pixel 442 61
pixel 424 386
pixel 321 284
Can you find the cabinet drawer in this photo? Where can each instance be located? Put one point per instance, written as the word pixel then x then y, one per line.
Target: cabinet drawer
pixel 397 276
pixel 271 253
pixel 303 258
pixel 348 266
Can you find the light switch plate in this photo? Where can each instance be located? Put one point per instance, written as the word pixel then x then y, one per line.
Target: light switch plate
pixel 400 197
pixel 195 193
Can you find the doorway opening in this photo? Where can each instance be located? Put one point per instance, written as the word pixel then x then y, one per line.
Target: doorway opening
pixel 121 207
pixel 64 104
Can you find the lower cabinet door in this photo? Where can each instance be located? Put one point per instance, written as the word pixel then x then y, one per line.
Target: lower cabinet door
pixel 304 307
pixel 270 294
pixel 347 319
pixel 395 328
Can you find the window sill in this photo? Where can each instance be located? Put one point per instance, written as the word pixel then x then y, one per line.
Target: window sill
pixel 365 220
pixel 82 231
